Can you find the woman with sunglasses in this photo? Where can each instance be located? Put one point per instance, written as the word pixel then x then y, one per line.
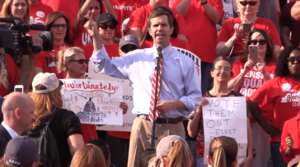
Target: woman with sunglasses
pixel 88 9
pixel 247 77
pixel 232 36
pixel 59 25
pixel 107 24
pixel 279 95
pixel 221 73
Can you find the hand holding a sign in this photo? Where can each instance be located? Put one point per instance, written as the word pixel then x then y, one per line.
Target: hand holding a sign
pixel 124 106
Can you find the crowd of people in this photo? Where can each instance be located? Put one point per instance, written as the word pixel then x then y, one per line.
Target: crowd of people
pixel 136 40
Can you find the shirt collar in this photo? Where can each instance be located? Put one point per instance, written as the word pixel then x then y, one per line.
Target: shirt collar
pixel 165 52
pixel 11 132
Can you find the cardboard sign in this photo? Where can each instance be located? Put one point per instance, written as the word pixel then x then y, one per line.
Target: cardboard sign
pixel 93 101
pixel 128 118
pixel 226 116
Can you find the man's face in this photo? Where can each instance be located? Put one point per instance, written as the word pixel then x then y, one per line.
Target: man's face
pixel 160 30
pixel 27 116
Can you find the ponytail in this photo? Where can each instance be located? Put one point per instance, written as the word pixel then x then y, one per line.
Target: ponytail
pixel 219 158
pixel 179 155
pixel 223 151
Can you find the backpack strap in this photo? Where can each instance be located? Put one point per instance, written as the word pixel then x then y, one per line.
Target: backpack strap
pixel 55 110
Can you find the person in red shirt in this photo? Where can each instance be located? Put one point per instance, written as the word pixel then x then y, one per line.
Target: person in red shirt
pixel 221 74
pixel 123 10
pixel 16 8
pixel 138 20
pixel 231 37
pixel 147 41
pixel 38 12
pixel 107 24
pixel 247 77
pixel 201 17
pixel 59 25
pixel 290 140
pixel 89 9
pixel 283 92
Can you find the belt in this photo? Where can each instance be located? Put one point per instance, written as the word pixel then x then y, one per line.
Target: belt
pixel 162 120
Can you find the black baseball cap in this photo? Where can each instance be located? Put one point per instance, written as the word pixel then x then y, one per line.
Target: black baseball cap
pixel 129 39
pixel 102 18
pixel 21 151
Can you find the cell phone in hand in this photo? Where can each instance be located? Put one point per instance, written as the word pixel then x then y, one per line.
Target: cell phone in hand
pixel 253 52
pixel 246 30
pixel 19 88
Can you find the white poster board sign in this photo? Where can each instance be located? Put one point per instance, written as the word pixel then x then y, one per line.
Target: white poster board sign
pixel 128 118
pixel 226 116
pixel 93 101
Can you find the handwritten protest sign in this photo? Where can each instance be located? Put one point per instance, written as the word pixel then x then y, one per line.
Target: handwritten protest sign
pixel 94 101
pixel 128 118
pixel 226 116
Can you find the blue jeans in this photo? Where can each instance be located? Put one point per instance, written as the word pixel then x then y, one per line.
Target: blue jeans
pixel 205 77
pixel 276 156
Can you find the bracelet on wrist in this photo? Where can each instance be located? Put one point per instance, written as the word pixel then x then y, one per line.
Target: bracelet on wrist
pixel 203 3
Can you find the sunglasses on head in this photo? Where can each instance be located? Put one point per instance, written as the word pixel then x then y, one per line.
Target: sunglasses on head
pixel 245 3
pixel 128 48
pixel 255 41
pixel 293 59
pixel 105 26
pixel 80 61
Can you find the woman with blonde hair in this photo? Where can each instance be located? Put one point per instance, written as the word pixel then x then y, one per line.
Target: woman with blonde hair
pixel 16 8
pixel 72 61
pixel 89 155
pixel 173 151
pixel 64 124
pixel 222 152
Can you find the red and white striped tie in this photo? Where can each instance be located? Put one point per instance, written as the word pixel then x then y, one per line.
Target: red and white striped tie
pixel 153 91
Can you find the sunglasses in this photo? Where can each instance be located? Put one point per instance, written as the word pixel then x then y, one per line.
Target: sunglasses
pixel 80 61
pixel 105 26
pixel 293 59
pixel 254 42
pixel 250 3
pixel 57 26
pixel 128 48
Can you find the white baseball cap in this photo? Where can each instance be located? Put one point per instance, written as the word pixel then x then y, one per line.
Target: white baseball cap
pixel 49 80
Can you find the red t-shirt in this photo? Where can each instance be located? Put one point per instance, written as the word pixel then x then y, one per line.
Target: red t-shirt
pixel 227 32
pixel 201 31
pixel 174 41
pixel 139 18
pixel 13 72
pixel 69 7
pixel 123 10
pixel 82 37
pixel 39 13
pixel 252 81
pixel 284 94
pixel 48 60
pixel 291 129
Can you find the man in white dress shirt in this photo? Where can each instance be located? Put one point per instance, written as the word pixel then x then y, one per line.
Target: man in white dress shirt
pixel 18 116
pixel 180 90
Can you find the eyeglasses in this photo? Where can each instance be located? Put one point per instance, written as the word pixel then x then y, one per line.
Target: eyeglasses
pixel 128 48
pixel 224 68
pixel 254 42
pixel 293 59
pixel 105 26
pixel 80 61
pixel 245 3
pixel 57 26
